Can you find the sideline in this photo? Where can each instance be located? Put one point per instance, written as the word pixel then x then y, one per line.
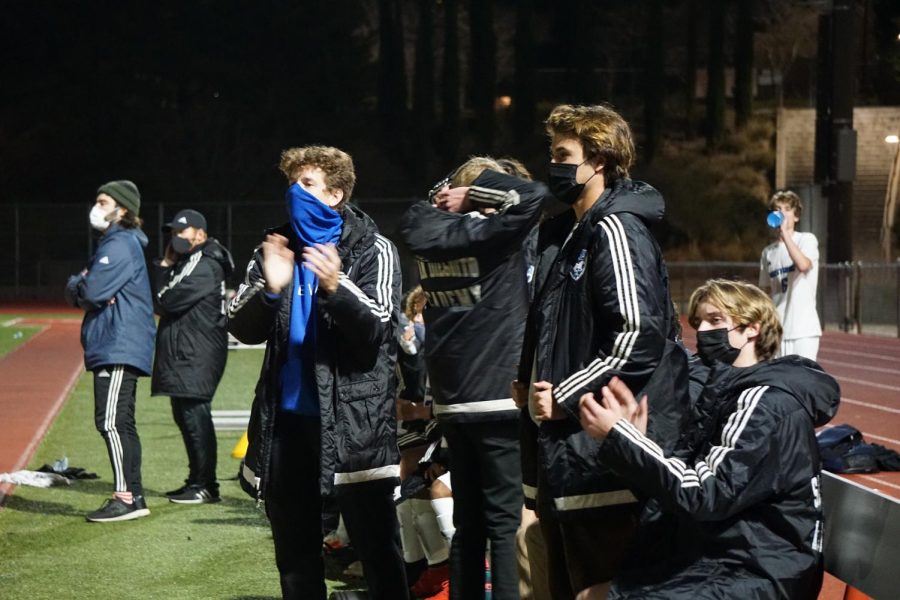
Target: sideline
pixel 37 377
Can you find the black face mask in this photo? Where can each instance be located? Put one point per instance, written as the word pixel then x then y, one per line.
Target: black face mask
pixel 180 245
pixel 563 183
pixel 713 345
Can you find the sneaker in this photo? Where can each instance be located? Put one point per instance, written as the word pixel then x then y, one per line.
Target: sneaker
pixel 177 492
pixel 431 581
pixel 195 495
pixel 444 594
pixel 114 509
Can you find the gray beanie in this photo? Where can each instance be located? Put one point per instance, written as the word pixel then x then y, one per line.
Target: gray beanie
pixel 124 192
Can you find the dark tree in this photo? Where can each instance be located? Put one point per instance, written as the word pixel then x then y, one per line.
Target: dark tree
pixel 690 67
pixel 743 63
pixel 715 90
pixel 423 88
pixel 391 65
pixel 483 70
pixel 524 98
pixel 583 45
pixel 451 84
pixel 654 80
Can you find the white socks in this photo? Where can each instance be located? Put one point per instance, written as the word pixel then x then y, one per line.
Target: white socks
pixel 443 512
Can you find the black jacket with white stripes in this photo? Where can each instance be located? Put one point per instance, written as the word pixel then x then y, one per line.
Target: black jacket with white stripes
pixel 736 509
pixel 356 354
pixel 191 343
pixel 473 270
pixel 602 308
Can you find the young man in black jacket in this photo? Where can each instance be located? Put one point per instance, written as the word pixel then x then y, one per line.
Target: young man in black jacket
pixel 601 308
pixel 323 292
pixel 192 344
pixel 469 247
pixel 736 510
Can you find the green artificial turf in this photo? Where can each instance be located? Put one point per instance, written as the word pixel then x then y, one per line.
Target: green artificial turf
pixel 223 550
pixel 14 335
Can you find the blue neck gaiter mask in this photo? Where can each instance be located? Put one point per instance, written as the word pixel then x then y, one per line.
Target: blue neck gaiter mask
pixel 313 222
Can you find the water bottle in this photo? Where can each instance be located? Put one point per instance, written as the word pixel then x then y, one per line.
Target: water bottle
pixel 775 219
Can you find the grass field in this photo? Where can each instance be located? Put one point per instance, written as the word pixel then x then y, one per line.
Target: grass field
pixel 14 335
pixel 224 550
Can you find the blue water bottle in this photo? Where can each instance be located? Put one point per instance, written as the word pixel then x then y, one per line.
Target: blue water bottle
pixel 775 219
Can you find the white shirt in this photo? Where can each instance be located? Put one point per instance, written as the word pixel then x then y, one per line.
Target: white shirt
pixel 793 292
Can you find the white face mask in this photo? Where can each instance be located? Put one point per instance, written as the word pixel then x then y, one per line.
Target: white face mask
pixel 98 218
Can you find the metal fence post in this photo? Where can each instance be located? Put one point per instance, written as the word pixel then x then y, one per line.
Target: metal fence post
pixel 160 208
pixel 16 252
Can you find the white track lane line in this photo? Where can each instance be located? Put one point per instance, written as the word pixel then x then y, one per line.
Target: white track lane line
pixel 880 386
pixel 879 481
pixel 888 357
pixel 861 367
pixel 870 405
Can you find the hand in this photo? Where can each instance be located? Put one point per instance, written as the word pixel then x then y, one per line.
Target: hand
pixel 323 260
pixel 169 258
pixel 409 332
pixel 617 403
pixel 543 405
pixel 412 411
pixel 278 263
pixel 434 471
pixel 519 393
pixel 455 200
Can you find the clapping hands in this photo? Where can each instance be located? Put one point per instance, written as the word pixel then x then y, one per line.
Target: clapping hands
pixel 616 402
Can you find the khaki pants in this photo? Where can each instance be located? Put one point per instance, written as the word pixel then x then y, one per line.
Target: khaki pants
pixel 531 556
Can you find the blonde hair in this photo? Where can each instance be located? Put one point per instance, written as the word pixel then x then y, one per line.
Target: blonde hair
pixel 472 168
pixel 746 304
pixel 786 197
pixel 514 167
pixel 414 296
pixel 335 163
pixel 602 132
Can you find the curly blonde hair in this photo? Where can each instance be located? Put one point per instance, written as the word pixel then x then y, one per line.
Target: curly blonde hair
pixel 746 304
pixel 336 164
pixel 602 132
pixel 414 302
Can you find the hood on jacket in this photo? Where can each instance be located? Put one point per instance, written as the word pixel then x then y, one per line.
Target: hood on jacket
pixel 116 229
pixel 635 197
pixel 815 390
pixel 219 253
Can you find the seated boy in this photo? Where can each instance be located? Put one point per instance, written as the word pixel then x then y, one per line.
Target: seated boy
pixel 736 513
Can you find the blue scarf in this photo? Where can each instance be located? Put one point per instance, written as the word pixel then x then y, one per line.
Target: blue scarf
pixel 313 222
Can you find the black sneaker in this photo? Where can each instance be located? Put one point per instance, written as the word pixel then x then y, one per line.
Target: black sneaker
pixel 114 509
pixel 177 492
pixel 195 495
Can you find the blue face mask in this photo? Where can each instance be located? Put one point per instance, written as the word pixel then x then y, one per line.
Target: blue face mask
pixel 313 221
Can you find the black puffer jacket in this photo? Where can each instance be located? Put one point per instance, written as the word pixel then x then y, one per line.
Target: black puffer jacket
pixel 602 308
pixel 739 515
pixel 355 359
pixel 192 342
pixel 475 276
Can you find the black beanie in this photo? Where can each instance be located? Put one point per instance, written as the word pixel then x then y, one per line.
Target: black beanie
pixel 124 192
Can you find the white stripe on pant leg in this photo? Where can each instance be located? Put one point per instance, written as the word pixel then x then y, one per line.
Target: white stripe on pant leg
pixel 112 434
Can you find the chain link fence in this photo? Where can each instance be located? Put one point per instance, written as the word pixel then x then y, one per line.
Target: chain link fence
pixel 42 244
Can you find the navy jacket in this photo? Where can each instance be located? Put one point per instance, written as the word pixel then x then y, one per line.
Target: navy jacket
pixel 114 291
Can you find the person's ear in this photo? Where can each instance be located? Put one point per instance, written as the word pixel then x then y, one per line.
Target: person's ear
pixel 752 331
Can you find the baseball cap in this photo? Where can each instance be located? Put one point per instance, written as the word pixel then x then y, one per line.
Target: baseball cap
pixel 184 219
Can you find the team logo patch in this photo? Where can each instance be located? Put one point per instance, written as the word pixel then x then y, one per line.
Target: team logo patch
pixel 578 268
